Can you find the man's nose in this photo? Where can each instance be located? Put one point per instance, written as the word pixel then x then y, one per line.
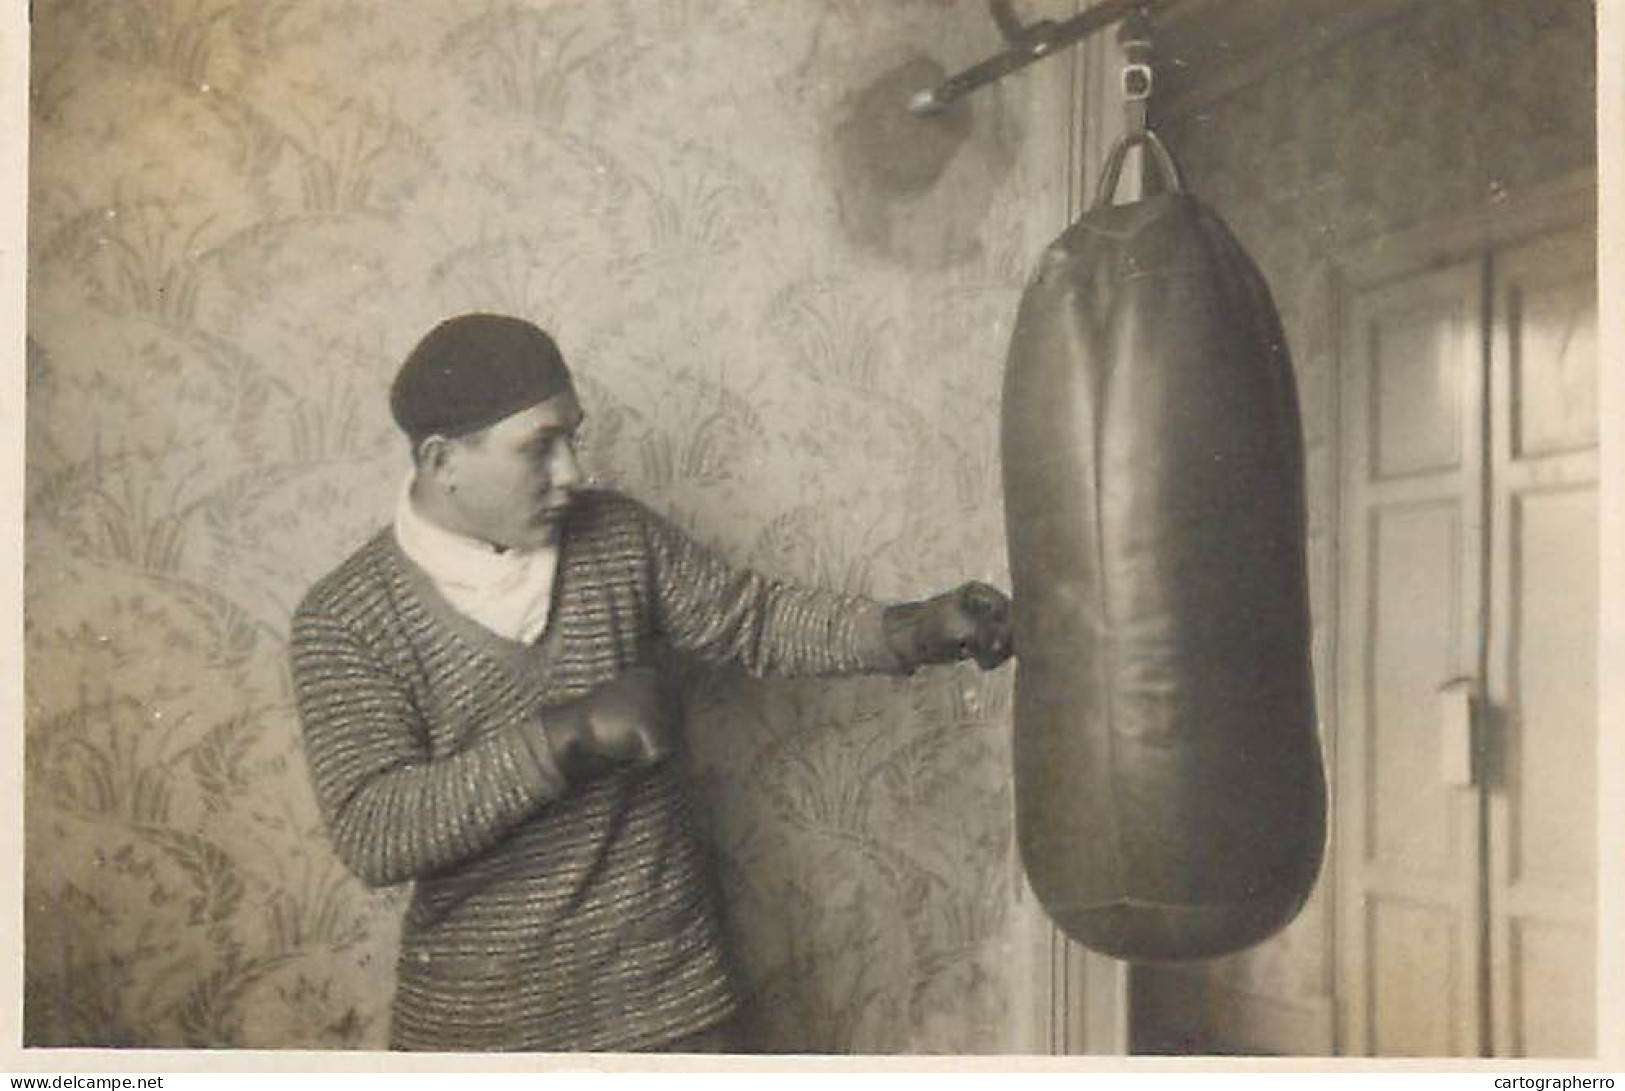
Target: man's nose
pixel 566 468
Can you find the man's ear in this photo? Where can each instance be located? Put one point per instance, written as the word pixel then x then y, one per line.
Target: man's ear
pixel 434 454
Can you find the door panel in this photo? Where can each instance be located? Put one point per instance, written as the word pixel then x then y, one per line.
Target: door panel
pixel 1407 846
pixel 1416 580
pixel 1551 781
pixel 1416 948
pixel 1417 416
pixel 1551 313
pixel 1549 960
pixel 1542 663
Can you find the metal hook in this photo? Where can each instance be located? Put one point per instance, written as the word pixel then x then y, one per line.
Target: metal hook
pixel 1134 36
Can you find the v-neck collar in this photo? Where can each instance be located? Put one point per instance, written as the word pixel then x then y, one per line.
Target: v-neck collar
pixel 531 661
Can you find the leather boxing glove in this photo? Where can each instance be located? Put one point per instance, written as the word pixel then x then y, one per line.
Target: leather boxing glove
pixel 970 622
pixel 625 721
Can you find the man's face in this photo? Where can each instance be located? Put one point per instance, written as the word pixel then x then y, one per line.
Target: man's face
pixel 513 481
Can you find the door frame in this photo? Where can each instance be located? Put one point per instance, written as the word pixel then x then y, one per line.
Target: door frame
pixel 1518 216
pixel 1084 996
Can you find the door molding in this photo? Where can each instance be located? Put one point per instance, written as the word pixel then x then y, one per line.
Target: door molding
pixel 1520 214
pixel 1564 202
pixel 1083 997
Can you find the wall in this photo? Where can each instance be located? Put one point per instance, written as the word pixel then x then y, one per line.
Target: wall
pixel 1445 109
pixel 787 302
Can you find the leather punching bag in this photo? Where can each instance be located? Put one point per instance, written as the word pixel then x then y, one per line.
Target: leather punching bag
pixel 1170 798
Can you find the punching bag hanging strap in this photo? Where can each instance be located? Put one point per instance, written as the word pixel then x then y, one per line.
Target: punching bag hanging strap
pixel 1114 165
pixel 1134 36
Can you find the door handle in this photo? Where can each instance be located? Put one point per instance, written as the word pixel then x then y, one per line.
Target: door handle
pixel 1458 717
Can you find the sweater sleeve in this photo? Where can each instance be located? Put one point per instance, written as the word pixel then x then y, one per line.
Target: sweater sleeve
pixel 394 812
pixel 768 627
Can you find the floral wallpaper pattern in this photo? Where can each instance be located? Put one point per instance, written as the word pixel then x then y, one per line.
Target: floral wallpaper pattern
pixel 1445 108
pixel 787 303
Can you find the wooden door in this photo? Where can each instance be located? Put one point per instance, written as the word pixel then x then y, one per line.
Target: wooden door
pixel 1541 682
pixel 1465 837
pixel 1408 846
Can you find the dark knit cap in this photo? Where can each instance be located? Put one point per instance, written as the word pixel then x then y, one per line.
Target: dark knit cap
pixel 471 371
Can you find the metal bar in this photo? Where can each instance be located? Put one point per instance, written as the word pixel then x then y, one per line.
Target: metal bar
pixel 1010 24
pixel 1038 42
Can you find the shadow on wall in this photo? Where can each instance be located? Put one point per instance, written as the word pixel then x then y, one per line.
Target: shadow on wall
pixel 916 189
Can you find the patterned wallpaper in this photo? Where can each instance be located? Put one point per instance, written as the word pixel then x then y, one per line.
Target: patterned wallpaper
pixel 787 303
pixel 1444 109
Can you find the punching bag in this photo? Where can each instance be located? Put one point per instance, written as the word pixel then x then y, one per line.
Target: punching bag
pixel 1170 798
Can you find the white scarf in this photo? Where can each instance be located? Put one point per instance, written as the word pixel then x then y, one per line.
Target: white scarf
pixel 507 592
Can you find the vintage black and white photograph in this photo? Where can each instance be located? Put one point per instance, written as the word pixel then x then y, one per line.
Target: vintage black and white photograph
pixel 990 528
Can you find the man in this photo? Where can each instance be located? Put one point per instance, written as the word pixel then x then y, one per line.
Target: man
pixel 481 715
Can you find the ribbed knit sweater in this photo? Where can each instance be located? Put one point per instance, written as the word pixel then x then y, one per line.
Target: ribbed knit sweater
pixel 543 917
